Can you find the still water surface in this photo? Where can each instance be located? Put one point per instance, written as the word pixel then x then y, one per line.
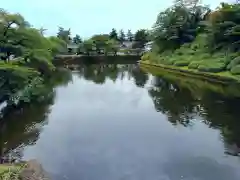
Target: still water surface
pixel 114 122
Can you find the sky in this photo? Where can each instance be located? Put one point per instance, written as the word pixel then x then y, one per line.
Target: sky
pixel 88 17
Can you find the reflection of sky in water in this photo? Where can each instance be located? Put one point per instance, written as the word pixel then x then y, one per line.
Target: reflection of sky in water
pixel 198 168
pixel 112 132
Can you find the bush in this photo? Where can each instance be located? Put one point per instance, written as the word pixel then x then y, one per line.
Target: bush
pixel 145 57
pixel 218 55
pixel 211 67
pixel 233 63
pixel 235 69
pixel 190 52
pixel 168 62
pixel 179 52
pixel 181 63
pixel 194 64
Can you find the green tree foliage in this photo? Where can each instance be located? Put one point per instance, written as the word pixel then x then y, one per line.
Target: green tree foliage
pixel 140 38
pixel 113 34
pixel 130 35
pixel 32 53
pixel 224 27
pixel 42 30
pixel 11 26
pixel 179 24
pixel 122 36
pixel 190 34
pixel 64 34
pixel 111 46
pixel 56 45
pixel 77 39
pixel 88 46
pixel 100 41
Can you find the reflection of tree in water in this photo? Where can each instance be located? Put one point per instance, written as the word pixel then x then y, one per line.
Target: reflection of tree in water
pixel 139 76
pixel 176 102
pixel 61 77
pixel 22 126
pixel 223 113
pixel 181 106
pixel 99 73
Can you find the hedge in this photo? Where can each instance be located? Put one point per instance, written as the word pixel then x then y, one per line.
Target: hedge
pixel 181 63
pixel 145 57
pixel 233 63
pixel 211 67
pixel 235 69
pixel 194 64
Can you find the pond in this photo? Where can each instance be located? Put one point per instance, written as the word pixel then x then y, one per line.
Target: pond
pixel 116 122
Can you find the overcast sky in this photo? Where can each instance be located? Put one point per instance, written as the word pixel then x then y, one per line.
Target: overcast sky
pixel 88 17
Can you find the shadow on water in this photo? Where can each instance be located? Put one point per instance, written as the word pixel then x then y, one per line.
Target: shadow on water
pixel 183 105
pixel 21 126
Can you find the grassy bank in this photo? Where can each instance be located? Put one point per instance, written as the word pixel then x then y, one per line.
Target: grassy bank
pixel 11 171
pixel 220 77
pixel 197 83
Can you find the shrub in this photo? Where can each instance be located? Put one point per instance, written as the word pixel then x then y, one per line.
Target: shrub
pixel 145 57
pixel 229 58
pixel 233 63
pixel 190 52
pixel 181 63
pixel 194 64
pixel 235 69
pixel 211 67
pixel 220 60
pixel 218 55
pixel 179 52
pixel 167 62
pixel 204 56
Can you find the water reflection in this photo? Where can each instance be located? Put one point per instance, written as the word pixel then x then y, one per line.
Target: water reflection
pixel 99 73
pixel 174 101
pixel 192 168
pixel 182 106
pixel 122 123
pixel 22 125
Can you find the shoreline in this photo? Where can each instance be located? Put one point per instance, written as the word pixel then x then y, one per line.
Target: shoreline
pixel 223 77
pixel 29 170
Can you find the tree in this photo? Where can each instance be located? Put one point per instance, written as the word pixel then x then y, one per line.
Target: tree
pixel 111 46
pixel 56 45
pixel 141 37
pixel 88 46
pixel 100 41
pixel 42 30
pixel 77 39
pixel 10 26
pixel 32 52
pixel 113 34
pixel 224 28
pixel 64 34
pixel 179 24
pixel 121 36
pixel 130 35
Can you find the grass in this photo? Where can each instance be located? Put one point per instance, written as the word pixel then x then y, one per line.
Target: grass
pixel 223 77
pixel 10 171
pixel 196 84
